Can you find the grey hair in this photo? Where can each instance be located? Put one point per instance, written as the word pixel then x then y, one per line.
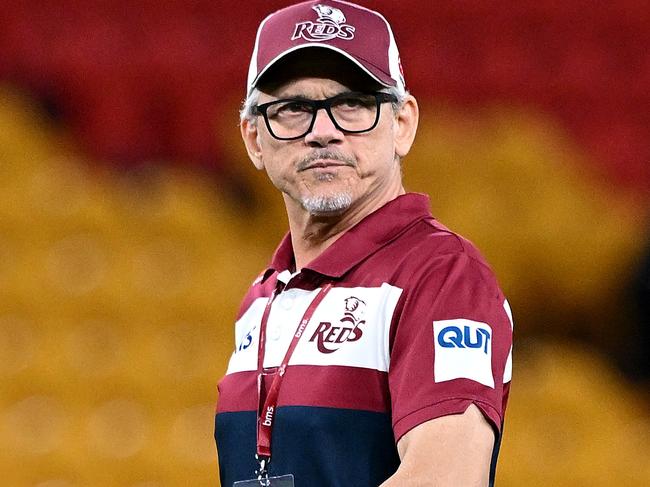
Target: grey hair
pixel 246 111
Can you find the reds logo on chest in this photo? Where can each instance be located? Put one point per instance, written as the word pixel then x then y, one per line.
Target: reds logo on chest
pixel 350 327
pixel 330 337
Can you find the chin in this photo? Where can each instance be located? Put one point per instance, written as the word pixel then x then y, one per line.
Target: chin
pixel 327 204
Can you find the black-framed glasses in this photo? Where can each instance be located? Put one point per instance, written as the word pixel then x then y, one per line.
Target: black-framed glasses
pixel 350 112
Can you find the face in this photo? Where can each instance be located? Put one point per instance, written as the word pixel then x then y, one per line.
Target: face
pixel 329 172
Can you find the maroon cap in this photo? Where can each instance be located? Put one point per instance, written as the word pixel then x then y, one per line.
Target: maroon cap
pixel 361 35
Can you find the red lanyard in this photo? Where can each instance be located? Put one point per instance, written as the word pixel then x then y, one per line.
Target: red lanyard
pixel 266 413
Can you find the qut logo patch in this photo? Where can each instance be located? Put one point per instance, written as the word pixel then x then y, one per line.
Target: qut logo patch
pixel 463 350
pixel 330 338
pixel 453 336
pixel 330 24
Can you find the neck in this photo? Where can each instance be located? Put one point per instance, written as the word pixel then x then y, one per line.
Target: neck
pixel 312 234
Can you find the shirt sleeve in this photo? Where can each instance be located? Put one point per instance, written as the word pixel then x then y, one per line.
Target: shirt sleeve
pixel 451 344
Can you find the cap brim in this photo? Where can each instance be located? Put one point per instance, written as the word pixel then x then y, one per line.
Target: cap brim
pixel 372 71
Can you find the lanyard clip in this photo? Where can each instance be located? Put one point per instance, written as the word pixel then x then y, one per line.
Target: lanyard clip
pixel 263 472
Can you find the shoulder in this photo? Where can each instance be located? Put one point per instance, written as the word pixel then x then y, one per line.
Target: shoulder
pixel 429 252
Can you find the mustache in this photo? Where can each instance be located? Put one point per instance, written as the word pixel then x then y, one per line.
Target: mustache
pixel 309 159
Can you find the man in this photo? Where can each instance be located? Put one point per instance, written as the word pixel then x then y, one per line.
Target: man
pixel 375 349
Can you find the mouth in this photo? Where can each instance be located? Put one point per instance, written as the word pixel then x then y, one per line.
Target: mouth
pixel 324 164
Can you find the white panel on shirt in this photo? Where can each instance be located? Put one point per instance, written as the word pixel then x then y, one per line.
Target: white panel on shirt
pixel 350 327
pixel 463 350
pixel 507 373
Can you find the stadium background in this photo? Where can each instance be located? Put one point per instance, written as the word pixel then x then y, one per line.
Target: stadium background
pixel 131 223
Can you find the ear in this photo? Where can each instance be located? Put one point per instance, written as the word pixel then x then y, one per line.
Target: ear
pixel 406 121
pixel 249 134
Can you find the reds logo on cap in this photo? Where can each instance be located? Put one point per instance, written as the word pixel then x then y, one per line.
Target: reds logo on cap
pixel 330 24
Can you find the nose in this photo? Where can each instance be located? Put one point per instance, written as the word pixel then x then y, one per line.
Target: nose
pixel 324 132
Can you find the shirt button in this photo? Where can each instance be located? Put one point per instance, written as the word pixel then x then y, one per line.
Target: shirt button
pixel 274 333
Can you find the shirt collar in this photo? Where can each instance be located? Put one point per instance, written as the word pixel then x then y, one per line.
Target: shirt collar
pixel 360 241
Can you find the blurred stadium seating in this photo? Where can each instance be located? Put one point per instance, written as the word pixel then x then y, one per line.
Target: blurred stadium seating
pixel 120 275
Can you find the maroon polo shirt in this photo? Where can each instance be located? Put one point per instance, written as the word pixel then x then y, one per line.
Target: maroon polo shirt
pixel 415 327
